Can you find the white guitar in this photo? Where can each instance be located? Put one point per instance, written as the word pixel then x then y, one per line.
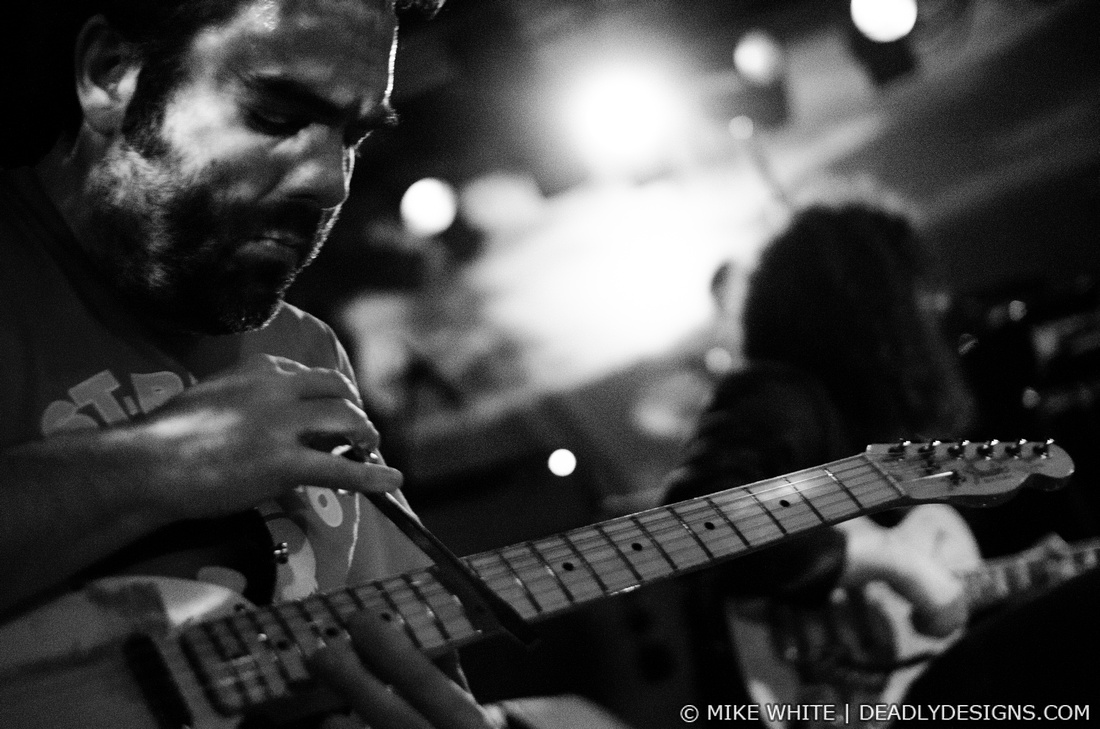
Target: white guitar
pixel 139 654
pixel 791 656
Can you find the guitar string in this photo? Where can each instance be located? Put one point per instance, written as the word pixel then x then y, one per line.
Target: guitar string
pixel 618 553
pixel 728 500
pixel 681 526
pixel 813 503
pixel 614 554
pixel 682 553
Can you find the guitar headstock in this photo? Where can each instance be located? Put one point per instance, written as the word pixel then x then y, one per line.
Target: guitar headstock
pixel 971 474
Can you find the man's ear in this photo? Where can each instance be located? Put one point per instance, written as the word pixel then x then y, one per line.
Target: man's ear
pixel 106 68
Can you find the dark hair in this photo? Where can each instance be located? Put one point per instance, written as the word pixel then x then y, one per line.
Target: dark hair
pixel 36 56
pixel 837 294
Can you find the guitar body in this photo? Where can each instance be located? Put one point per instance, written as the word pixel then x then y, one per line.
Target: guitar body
pixel 70 664
pixel 789 657
pixel 780 667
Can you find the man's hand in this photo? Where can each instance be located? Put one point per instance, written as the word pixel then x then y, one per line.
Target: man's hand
pixel 234 441
pixel 392 685
pixel 919 559
pixel 220 447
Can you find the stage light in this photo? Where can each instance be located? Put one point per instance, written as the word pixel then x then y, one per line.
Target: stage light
pixel 626 119
pixel 884 21
pixel 741 128
pixel 759 58
pixel 562 462
pixel 429 207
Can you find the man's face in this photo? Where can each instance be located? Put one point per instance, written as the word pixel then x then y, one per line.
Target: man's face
pixel 205 215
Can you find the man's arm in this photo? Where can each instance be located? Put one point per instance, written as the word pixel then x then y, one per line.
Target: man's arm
pixel 220 447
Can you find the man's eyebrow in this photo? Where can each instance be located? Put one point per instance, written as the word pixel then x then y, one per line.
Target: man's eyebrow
pixel 299 95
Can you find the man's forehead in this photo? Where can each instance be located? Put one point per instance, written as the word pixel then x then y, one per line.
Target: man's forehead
pixel 313 40
pixel 369 20
pixel 378 13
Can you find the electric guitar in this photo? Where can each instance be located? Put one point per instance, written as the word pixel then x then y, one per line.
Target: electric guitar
pixel 145 653
pixel 790 657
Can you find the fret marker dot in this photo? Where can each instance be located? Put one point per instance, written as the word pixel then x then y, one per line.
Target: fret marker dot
pixel 784 503
pixel 709 524
pixel 568 566
pixel 636 547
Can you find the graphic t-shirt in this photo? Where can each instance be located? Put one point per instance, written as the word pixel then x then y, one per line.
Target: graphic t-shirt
pixel 72 357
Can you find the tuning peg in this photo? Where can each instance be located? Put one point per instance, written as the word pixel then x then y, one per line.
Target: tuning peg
pixel 899 447
pixel 1043 449
pixel 985 450
pixel 1014 449
pixel 957 449
pixel 929 448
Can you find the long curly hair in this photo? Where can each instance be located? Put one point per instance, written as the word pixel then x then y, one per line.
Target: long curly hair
pixel 839 294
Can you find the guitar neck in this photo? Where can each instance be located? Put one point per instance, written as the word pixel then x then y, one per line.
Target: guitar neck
pixel 1001 579
pixel 255 656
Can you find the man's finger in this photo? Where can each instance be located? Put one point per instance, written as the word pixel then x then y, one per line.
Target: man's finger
pixel 339 667
pixel 326 424
pixel 392 657
pixel 318 468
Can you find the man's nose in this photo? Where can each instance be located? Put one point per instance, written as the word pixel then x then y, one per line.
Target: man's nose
pixel 322 170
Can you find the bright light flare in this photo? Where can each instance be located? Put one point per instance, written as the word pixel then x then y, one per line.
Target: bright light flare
pixel 626 118
pixel 759 58
pixel 562 462
pixel 884 21
pixel 429 207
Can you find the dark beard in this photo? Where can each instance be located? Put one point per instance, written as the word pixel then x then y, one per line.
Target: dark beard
pixel 171 249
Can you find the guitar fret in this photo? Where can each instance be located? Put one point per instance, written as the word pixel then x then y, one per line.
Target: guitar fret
pixel 372 598
pixel 845 489
pixel 287 647
pixel 752 519
pixel 226 691
pixel 630 542
pixel 605 587
pixel 553 573
pixel 339 620
pixel 561 550
pixel 766 510
pixel 709 526
pixel 418 623
pixel 726 518
pixel 291 617
pixel 617 552
pixel 282 679
pixel 446 606
pixel 508 586
pixel 270 679
pixel 785 505
pixel 677 543
pixel 806 500
pixel 532 571
pixel 885 478
pixel 656 542
pixel 688 528
pixel 817 492
pixel 444 634
pixel 868 484
pixel 309 619
pixel 238 682
pixel 392 613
